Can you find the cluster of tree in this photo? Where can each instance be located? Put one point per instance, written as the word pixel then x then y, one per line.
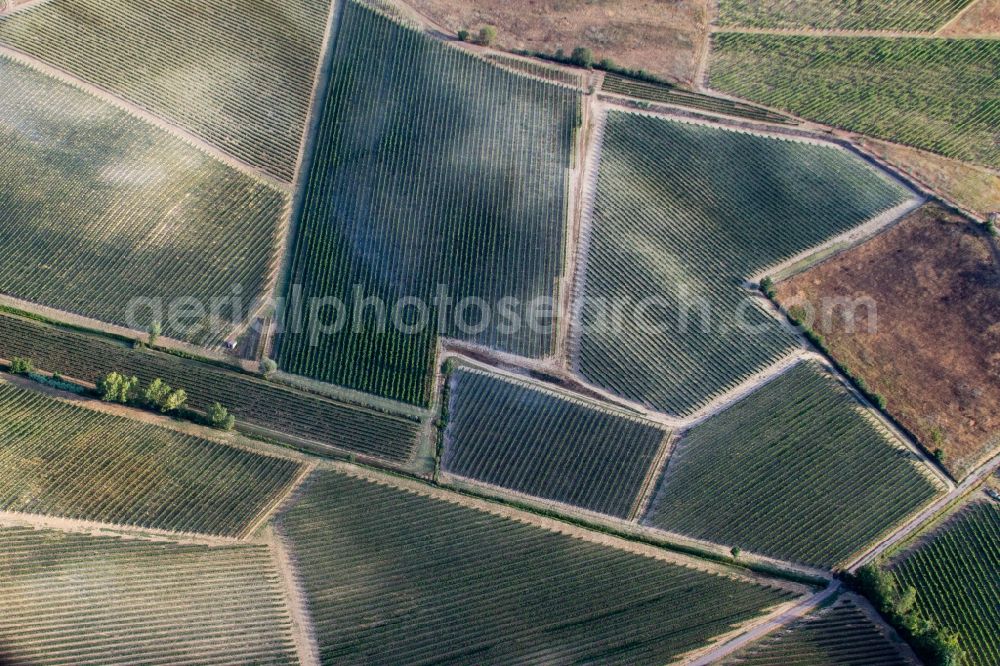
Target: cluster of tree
pixel 158 395
pixel 936 645
pixel 487 36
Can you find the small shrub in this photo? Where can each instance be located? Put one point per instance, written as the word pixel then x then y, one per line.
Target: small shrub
pixel 735 552
pixel 487 35
pixel 879 401
pixel 767 286
pixel 21 366
pixel 583 57
pixel 268 367
pixel 463 35
pixel 607 64
pixel 219 417
pixel 154 332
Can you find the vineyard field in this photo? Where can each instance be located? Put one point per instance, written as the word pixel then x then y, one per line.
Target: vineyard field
pixel 935 94
pixel 432 167
pixel 667 94
pixel 250 399
pixel 100 208
pixel 679 254
pixel 236 73
pixel 81 599
pixel 842 634
pixel 391 576
pixel 898 15
pixel 532 441
pixel 797 470
pixel 955 572
pixel 66 461
pixel 542 71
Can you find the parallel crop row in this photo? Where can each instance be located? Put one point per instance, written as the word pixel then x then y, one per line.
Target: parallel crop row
pixel 667 94
pixel 432 167
pixel 840 635
pixel 935 94
pixel 100 208
pixel 683 214
pixel 81 599
pixel 237 73
pixel 251 399
pixel 532 441
pixel 394 577
pixel 797 470
pixel 956 573
pixel 534 68
pixel 899 15
pixel 62 460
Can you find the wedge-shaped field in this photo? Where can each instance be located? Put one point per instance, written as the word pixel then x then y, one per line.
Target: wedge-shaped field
pixel 62 460
pixel 392 577
pixel 683 214
pixel 797 470
pixel 899 15
pixel 81 599
pixel 432 167
pixel 842 634
pixel 98 208
pixel 956 572
pixel 237 73
pixel 250 399
pixel 915 313
pixel 509 434
pixel 936 94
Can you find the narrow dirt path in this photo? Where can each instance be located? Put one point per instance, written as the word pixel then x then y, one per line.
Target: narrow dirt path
pixel 303 632
pixel 770 624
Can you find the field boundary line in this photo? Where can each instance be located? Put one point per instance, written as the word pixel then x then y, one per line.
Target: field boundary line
pixel 827 32
pixel 648 488
pixel 955 19
pixel 268 511
pixel 705 51
pixel 119 530
pixel 930 513
pixel 779 618
pixel 143 114
pixel 560 525
pixel 303 632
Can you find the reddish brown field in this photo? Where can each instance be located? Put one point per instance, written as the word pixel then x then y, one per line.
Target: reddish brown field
pixel 664 37
pixel 934 349
pixel 982 19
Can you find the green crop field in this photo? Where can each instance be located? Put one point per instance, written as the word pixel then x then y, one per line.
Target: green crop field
pixel 660 92
pixel 237 73
pixel 936 94
pixel 392 577
pixel 899 15
pixel 99 208
pixel 841 634
pixel 683 214
pixel 956 572
pixel 542 71
pixel 530 440
pixel 432 166
pixel 80 599
pixel 250 399
pixel 797 470
pixel 63 460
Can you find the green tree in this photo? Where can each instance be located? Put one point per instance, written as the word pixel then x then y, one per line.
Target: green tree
pixel 155 395
pixel 463 35
pixel 174 401
pixel 583 57
pixel 116 387
pixel 735 552
pixel 219 417
pixel 487 35
pixel 21 366
pixel 268 367
pixel 154 332
pixel 767 286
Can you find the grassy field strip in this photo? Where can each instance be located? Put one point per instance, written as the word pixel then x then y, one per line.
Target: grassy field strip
pixel 648 488
pixel 143 114
pixel 502 557
pixel 303 633
pixel 878 17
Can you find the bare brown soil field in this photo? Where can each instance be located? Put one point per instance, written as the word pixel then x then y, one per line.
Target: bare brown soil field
pixel 934 351
pixel 972 187
pixel 663 37
pixel 982 19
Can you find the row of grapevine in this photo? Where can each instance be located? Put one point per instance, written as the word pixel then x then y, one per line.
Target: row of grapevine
pixel 432 167
pixel 668 94
pixel 63 460
pixel 797 470
pixel 683 214
pixel 391 576
pixel 100 208
pixel 956 572
pixel 898 15
pixel 542 71
pixel 250 399
pixel 237 73
pixel 533 441
pixel 81 599
pixel 841 634
pixel 936 94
